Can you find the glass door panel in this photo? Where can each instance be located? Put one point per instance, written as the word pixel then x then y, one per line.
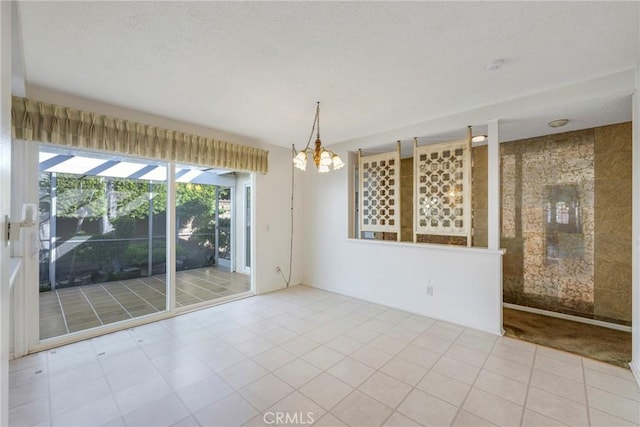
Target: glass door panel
pixel 103 240
pixel 204 236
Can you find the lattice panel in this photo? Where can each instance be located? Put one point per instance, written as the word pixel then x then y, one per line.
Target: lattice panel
pixel 380 192
pixel 442 183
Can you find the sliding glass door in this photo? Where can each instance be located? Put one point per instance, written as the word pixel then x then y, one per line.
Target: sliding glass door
pixel 104 229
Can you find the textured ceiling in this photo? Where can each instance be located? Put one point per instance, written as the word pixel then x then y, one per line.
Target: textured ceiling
pixel 255 69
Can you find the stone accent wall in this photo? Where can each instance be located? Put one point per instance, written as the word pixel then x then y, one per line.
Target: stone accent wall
pixel 613 194
pixel 479 176
pixel 582 267
pixel 547 221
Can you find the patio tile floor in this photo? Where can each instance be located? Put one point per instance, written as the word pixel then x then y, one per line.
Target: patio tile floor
pixel 82 307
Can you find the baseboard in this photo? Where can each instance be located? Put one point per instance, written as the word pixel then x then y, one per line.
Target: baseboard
pixel 499 331
pixel 568 317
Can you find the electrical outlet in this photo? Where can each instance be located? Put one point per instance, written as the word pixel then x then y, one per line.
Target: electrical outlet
pixel 430 290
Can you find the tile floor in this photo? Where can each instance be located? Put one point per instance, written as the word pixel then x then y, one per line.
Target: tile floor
pixel 304 355
pixel 83 307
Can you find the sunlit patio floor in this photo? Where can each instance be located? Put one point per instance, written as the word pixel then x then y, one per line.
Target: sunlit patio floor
pixel 82 307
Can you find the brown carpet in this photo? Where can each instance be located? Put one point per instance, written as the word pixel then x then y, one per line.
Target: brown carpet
pixel 595 342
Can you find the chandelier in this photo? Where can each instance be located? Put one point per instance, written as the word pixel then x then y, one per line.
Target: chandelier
pixel 322 157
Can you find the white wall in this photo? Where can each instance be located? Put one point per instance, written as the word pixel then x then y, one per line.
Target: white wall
pixel 467 281
pixel 272 223
pixel 5 194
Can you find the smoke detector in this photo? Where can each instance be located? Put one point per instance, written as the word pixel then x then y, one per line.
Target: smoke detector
pixel 495 64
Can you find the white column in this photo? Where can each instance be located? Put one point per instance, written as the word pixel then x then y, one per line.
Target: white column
pixel 5 204
pixel 493 185
pixel 635 248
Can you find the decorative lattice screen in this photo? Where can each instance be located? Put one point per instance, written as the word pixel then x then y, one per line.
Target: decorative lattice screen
pixel 443 189
pixel 380 192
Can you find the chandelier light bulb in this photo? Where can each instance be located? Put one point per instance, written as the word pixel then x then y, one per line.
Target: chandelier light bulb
pixel 325 158
pixel 337 162
pixel 300 160
pixel 323 168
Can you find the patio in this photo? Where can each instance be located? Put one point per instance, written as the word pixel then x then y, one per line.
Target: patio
pixel 82 307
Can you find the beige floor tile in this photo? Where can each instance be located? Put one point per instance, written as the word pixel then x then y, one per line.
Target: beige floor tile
pixel 427 410
pixel 297 373
pixel 534 419
pixel 476 343
pixel 508 369
pixel 273 358
pixel 612 384
pixel 30 413
pixel 419 355
pixel 204 392
pixel 323 357
pixel 321 334
pixel 360 410
pixel 328 420
pixel 517 343
pixel 608 369
pixel 466 355
pixel 299 345
pixel 385 389
pixel 457 370
pixel 265 392
pixel 602 419
pixel 467 419
pixel 556 407
pixel 404 370
pixel 99 412
pixel 561 386
pixel 232 410
pixel 245 372
pixel 506 388
pixel 298 403
pixel 361 334
pixel 388 344
pixel 432 343
pixel 371 356
pixel 492 408
pixel 164 411
pixel 351 371
pixel 514 354
pixel 326 390
pixel 445 388
pixel 614 404
pixel 559 367
pixel 559 355
pixel 398 420
pixel 344 344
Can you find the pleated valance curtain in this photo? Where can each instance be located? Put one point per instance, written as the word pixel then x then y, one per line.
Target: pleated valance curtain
pixel 38 121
